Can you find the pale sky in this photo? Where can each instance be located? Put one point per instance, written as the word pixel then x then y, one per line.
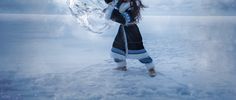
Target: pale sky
pixel 156 7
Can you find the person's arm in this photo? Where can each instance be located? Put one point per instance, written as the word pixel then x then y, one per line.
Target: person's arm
pixel 120 15
pixel 123 7
pixel 114 14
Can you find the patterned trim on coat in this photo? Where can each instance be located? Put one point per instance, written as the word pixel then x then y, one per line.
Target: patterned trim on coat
pixel 132 54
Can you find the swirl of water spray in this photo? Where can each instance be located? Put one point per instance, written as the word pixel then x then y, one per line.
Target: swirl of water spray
pixel 89 14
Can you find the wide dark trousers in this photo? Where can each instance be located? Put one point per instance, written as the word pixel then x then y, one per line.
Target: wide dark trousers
pixel 133 49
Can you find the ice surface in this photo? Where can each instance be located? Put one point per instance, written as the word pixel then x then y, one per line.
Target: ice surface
pixel 50 57
pixel 44 56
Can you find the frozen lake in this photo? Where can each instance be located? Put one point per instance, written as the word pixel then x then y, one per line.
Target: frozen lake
pixel 51 57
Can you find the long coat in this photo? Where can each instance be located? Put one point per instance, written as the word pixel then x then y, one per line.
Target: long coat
pixel 128 41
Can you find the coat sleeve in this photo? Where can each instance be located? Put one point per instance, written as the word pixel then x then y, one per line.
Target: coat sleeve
pixel 114 14
pixel 123 7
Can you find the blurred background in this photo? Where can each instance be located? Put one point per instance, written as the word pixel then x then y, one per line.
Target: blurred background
pixel 156 7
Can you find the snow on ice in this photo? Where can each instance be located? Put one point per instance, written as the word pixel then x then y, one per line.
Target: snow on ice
pixel 45 57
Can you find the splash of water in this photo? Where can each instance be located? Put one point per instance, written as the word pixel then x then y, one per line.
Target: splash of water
pixel 89 14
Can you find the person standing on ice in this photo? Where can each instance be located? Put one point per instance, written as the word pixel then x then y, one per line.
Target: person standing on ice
pixel 128 41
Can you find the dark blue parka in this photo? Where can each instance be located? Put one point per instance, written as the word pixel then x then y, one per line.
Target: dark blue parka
pixel 128 41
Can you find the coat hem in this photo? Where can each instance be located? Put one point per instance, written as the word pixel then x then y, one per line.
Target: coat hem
pixel 129 56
